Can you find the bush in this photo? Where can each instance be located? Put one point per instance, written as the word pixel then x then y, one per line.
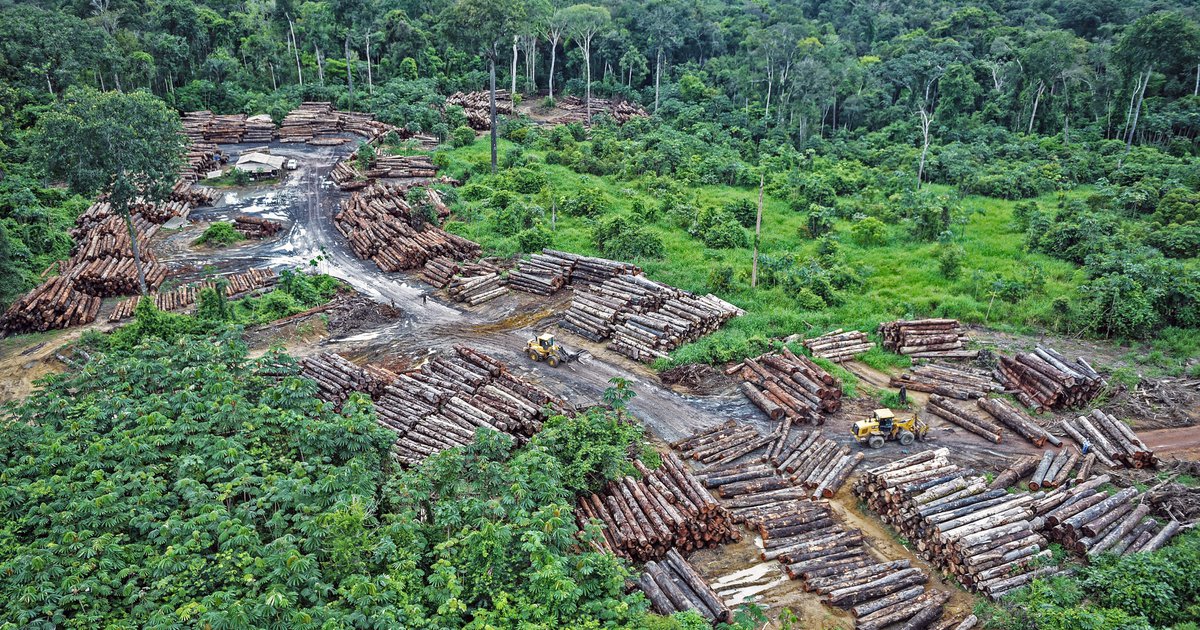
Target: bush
pixel 462 136
pixel 868 232
pixel 622 238
pixel 219 234
pixel 535 239
pixel 819 222
pixel 526 181
pixel 475 192
pixel 515 218
pixel 744 210
pixel 720 279
pixel 950 260
pixel 588 202
pixel 718 229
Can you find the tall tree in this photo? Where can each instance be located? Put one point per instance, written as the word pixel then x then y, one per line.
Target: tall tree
pixel 584 22
pixel 553 27
pixel 1160 41
pixel 486 25
pixel 125 145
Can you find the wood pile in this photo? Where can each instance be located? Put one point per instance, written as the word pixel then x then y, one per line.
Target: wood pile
pixel 950 381
pixel 477 107
pixel 983 537
pixel 256 227
pixel 1089 521
pixel 52 305
pixel 666 509
pixel 673 585
pixel 362 124
pixel 305 122
pixel 575 110
pixel 259 129
pixel 101 262
pixel 194 196
pixel 441 270
pixel 542 274
pixel 402 167
pixel 681 319
pixel 195 125
pixel 381 226
pixel 789 387
pixel 589 269
pixel 201 157
pixel 926 338
pixel 1044 380
pixel 226 129
pixel 969 417
pixel 1018 421
pixel 185 296
pixel 1114 443
pixel 409 167
pixel 476 289
pixel 337 378
pixel 839 346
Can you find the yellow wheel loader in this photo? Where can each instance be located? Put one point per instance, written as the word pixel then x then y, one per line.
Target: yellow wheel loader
pixel 883 426
pixel 545 348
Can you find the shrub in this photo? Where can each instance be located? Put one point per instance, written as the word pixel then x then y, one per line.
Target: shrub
pixel 622 238
pixel 219 234
pixel 475 192
pixel 587 202
pixel 718 229
pixel 462 136
pixel 819 222
pixel 526 181
pixel 535 239
pixel 950 260
pixel 868 232
pixel 744 210
pixel 720 279
pixel 515 218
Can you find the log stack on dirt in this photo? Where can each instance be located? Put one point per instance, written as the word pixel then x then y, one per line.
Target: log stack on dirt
pixel 1018 421
pixel 336 377
pixel 962 383
pixel 983 537
pixel 305 122
pixel 541 274
pixel 681 319
pixel 55 304
pixel 477 107
pixel 666 509
pixel 926 338
pixel 227 129
pixel 1044 380
pixel 476 289
pixel 575 110
pixel 102 263
pixel 260 129
pixel 256 227
pixel 1089 521
pixel 195 125
pixel 788 386
pixel 966 416
pixel 185 296
pixel 673 585
pixel 1114 443
pixel 381 226
pixel 839 345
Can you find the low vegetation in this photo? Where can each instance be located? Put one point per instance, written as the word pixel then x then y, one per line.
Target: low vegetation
pixel 219 234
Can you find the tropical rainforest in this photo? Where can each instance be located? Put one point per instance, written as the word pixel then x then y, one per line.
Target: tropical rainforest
pixel 1030 164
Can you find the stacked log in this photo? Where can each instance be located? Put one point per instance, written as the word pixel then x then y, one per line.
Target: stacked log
pixel 1017 421
pixel 673 585
pixel 402 167
pixel 591 269
pixel 1044 379
pixel 789 386
pixel 595 312
pixel 55 304
pixel 307 121
pixel 666 509
pixel 969 418
pixel 476 289
pixel 1112 440
pixel 541 274
pixel 259 129
pixel 256 227
pixel 950 381
pixel 983 537
pixel 1088 521
pixel 335 376
pixel 477 107
pixel 681 319
pixel 187 295
pixel 926 338
pixel 819 464
pixel 226 129
pixel 439 271
pixel 195 125
pixel 839 345
pixel 381 226
pixel 201 157
pixel 575 110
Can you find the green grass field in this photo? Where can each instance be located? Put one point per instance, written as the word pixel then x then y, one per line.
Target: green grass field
pixel 901 278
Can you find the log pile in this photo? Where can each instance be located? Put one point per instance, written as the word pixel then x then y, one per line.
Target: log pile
pixel 477 107
pixel 381 226
pixel 337 377
pixel 185 296
pixel 950 381
pixel 789 387
pixel 1089 521
pixel 307 121
pixel 476 289
pixel 195 125
pixel 666 509
pixel 681 319
pixel 201 157
pixel 260 129
pixel 1044 380
pixel 1114 443
pixel 542 274
pixel 226 129
pixel 1018 421
pixel 969 417
pixel 102 264
pixel 673 585
pixel 256 227
pixel 983 537
pixel 589 269
pixel 55 304
pixel 575 110
pixel 839 345
pixel 408 167
pixel 926 338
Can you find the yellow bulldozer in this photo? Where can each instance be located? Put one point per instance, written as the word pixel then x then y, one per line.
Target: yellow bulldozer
pixel 884 426
pixel 545 348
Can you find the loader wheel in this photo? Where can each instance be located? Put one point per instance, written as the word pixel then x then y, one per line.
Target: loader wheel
pixel 876 441
pixel 533 356
pixel 553 361
pixel 907 438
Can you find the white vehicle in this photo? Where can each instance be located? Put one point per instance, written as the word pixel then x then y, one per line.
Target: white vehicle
pixel 291 165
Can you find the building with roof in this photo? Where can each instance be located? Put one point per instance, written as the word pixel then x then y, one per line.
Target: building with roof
pixel 260 165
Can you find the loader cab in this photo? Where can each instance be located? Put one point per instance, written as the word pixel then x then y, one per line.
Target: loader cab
pixel 885 418
pixel 546 341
